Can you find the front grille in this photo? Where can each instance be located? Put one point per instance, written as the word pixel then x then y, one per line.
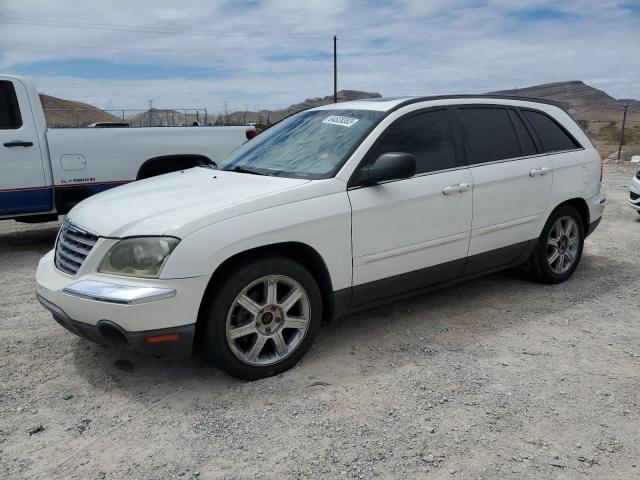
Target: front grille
pixel 72 247
pixel 634 196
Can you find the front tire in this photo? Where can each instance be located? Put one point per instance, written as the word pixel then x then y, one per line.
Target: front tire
pixel 263 319
pixel 559 248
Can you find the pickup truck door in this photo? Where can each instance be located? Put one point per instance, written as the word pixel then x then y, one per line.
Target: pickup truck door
pixel 23 189
pixel 412 233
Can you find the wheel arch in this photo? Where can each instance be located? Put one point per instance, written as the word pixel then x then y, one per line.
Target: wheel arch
pixel 170 163
pixel 300 252
pixel 581 206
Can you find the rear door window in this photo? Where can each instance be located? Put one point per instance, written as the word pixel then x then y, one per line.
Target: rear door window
pixel 490 134
pixel 427 136
pixel 552 136
pixel 9 112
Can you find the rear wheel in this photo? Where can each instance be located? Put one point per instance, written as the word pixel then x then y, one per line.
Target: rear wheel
pixel 559 248
pixel 264 318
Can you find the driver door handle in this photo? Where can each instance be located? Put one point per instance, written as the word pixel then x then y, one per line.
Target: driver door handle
pixel 460 188
pixel 18 143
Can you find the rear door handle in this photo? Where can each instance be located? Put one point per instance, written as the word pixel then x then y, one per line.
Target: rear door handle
pixel 460 188
pixel 18 143
pixel 539 171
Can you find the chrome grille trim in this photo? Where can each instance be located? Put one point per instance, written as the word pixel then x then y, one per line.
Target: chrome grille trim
pixel 72 247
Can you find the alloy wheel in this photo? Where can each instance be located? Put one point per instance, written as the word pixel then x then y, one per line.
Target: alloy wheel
pixel 268 320
pixel 563 244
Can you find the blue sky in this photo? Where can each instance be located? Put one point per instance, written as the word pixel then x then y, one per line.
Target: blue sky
pixel 269 54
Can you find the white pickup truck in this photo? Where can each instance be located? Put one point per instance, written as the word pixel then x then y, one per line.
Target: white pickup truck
pixel 45 172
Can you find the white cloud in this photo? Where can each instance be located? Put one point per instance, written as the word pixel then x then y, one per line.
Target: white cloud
pixel 394 47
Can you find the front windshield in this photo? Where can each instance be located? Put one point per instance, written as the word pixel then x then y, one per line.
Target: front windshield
pixel 311 144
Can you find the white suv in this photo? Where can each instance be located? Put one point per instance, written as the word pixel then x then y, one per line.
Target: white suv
pixel 634 192
pixel 333 209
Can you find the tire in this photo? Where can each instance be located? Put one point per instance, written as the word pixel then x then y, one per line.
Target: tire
pixel 543 264
pixel 252 332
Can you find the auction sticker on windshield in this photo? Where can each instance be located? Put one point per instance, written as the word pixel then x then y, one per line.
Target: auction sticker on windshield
pixel 340 120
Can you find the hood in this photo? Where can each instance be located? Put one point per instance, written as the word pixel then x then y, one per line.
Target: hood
pixel 177 203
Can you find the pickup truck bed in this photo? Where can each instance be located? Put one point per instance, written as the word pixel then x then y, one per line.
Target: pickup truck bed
pixel 45 172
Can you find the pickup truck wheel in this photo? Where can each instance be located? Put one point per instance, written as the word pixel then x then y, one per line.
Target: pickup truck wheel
pixel 559 248
pixel 264 318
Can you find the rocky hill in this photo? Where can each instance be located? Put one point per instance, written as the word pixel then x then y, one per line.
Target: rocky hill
pixel 599 113
pixel 157 117
pixel 583 101
pixel 273 116
pixel 69 113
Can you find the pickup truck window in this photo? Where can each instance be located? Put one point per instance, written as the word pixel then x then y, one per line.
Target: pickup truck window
pixel 10 118
pixel 312 144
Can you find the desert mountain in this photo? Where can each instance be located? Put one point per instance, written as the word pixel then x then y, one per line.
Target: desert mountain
pixel 581 100
pixel 69 113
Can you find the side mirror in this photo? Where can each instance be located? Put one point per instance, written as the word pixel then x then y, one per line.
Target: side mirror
pixel 388 166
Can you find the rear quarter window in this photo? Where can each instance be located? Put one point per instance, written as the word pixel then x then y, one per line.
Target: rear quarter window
pixel 10 118
pixel 552 136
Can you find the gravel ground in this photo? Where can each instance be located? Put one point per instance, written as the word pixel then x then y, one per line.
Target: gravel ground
pixel 498 378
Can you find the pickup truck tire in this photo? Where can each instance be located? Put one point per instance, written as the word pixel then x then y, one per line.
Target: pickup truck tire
pixel 263 319
pixel 559 248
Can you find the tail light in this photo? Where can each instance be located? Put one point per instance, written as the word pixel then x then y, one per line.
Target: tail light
pixel 250 134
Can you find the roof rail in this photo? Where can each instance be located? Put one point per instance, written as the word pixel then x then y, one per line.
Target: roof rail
pixel 480 96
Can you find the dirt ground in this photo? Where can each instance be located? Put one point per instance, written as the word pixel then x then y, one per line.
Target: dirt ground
pixel 498 378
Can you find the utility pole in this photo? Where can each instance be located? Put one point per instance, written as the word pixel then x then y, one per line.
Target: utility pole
pixel 335 70
pixel 624 120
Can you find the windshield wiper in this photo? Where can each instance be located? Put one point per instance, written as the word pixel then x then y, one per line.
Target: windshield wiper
pixel 240 169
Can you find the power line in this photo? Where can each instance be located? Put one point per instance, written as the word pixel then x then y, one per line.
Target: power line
pixel 154 30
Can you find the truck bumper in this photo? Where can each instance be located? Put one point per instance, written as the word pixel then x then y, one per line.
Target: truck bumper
pixel 155 317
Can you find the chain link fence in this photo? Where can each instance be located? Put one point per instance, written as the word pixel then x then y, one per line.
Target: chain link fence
pixel 80 118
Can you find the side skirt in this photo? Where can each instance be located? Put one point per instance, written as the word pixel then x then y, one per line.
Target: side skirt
pixel 407 285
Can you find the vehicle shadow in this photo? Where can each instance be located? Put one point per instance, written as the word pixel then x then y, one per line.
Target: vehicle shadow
pixel 38 238
pixel 364 343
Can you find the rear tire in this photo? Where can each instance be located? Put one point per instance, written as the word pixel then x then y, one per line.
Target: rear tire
pixel 263 319
pixel 559 248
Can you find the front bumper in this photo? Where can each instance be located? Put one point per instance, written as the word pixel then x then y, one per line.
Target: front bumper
pixel 108 333
pixel 151 316
pixel 634 194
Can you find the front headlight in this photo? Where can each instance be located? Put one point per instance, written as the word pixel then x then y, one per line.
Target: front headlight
pixel 138 257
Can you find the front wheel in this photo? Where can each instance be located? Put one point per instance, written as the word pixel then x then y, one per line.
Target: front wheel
pixel 263 319
pixel 559 247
